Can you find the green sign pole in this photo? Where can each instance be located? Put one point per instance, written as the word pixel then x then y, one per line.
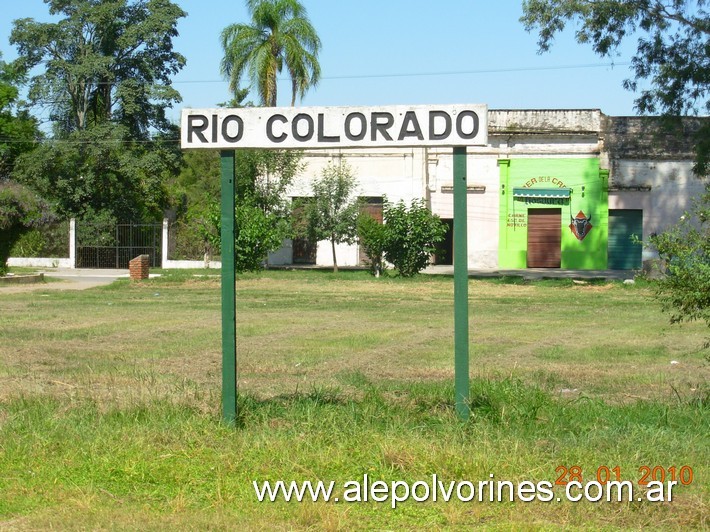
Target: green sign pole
pixel 229 299
pixel 461 378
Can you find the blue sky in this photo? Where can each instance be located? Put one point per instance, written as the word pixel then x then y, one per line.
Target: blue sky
pixel 382 52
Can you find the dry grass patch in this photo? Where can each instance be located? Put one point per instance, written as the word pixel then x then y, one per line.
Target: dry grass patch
pixel 109 401
pixel 297 330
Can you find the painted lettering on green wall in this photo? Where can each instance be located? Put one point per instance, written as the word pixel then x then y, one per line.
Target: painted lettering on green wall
pixel 547 180
pixel 544 201
pixel 517 220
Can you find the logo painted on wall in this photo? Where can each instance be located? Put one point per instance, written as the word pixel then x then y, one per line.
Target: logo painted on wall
pixel 580 225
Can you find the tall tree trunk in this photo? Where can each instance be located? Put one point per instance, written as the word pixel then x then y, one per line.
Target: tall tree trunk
pixel 106 87
pixel 270 92
pixel 335 261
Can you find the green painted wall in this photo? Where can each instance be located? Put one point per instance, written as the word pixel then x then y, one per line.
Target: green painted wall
pixel 589 194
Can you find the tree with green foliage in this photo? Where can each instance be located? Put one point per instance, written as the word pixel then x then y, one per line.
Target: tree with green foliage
pixel 685 251
pixel 671 53
pixel 333 211
pixel 412 235
pixel 279 35
pixel 103 61
pixel 18 130
pixel 104 69
pixel 20 211
pixel 262 177
pixel 194 192
pixel 98 173
pixel 262 211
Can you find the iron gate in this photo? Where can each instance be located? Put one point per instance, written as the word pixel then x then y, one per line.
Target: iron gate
pixel 114 245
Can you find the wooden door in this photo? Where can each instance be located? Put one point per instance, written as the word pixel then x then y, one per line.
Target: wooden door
pixel 544 238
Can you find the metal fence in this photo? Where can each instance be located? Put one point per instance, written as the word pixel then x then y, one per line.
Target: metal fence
pixel 114 245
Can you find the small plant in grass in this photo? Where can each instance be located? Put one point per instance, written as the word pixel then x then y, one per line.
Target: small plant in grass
pixel 256 233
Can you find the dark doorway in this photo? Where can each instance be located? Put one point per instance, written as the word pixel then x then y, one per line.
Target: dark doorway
pixel 304 250
pixel 445 249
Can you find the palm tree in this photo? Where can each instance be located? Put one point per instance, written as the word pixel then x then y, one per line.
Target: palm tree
pixel 279 35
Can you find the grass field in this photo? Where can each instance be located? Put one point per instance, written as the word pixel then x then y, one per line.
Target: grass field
pixel 110 414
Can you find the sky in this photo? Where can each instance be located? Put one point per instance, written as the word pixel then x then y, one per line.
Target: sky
pixel 387 52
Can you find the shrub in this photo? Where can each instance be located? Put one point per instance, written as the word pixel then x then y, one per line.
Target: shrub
pixel 29 244
pixel 20 210
pixel 51 240
pixel 685 249
pixel 256 233
pixel 411 236
pixel 373 239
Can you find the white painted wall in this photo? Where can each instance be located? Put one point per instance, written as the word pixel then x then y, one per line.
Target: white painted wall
pixel 483 205
pixel 398 174
pixel 39 262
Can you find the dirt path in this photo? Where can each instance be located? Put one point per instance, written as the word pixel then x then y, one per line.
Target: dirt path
pixel 62 284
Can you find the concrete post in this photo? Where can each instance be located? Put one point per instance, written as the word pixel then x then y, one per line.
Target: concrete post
pixel 164 246
pixel 72 242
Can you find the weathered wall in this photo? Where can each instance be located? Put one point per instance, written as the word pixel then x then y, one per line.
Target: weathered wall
pixel 662 188
pixel 647 137
pixel 563 121
pixel 483 185
pixel 650 165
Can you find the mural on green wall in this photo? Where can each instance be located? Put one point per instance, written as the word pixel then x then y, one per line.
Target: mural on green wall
pixel 575 190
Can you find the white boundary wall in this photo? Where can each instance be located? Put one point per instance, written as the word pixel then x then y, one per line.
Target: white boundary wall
pixel 181 264
pixel 44 262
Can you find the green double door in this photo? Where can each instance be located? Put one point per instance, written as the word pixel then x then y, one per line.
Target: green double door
pixel 624 253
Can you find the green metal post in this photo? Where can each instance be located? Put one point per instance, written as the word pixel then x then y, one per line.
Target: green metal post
pixel 461 369
pixel 229 300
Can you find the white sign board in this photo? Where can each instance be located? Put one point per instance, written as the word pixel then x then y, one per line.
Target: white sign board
pixel 335 127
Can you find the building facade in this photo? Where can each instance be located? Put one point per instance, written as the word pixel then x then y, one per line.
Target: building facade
pixel 551 189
